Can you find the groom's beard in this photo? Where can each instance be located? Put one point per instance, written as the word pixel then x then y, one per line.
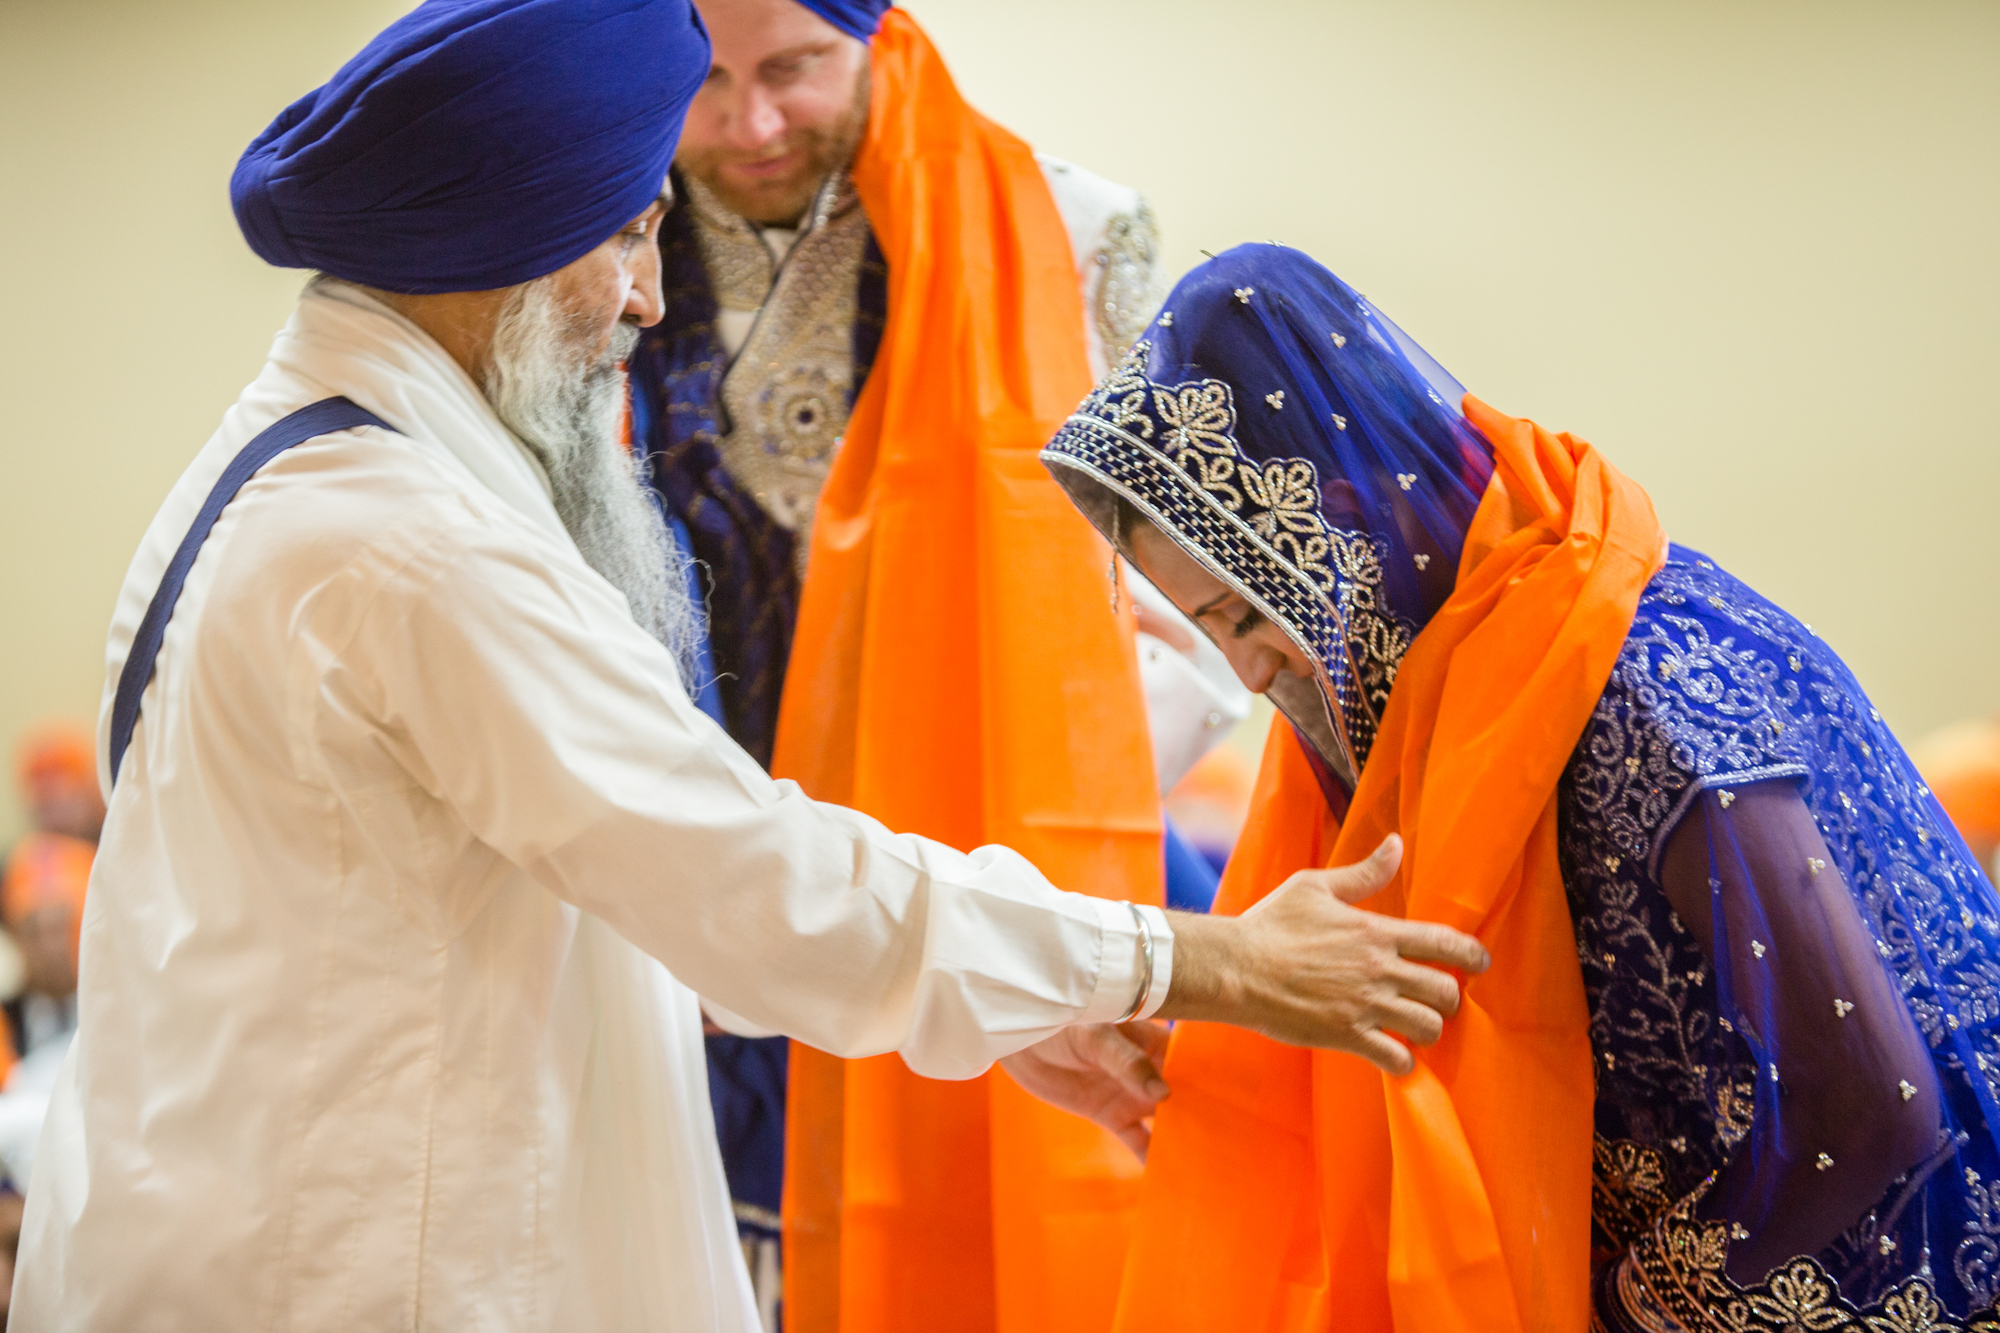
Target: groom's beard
pixel 565 404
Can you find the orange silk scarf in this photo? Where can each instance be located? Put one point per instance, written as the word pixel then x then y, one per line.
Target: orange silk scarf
pixel 958 672
pixel 1291 1191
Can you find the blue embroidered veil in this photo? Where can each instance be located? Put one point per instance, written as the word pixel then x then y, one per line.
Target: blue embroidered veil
pixel 1792 963
pixel 1303 448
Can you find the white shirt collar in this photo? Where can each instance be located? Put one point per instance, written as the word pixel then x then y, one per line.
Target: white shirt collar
pixel 356 346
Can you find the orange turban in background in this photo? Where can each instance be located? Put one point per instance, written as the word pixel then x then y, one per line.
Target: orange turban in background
pixel 56 751
pixel 1962 765
pixel 44 870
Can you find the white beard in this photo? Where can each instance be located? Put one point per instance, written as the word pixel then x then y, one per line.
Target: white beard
pixel 566 408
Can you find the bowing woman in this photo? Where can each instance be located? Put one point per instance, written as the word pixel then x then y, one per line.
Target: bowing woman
pixel 1734 1065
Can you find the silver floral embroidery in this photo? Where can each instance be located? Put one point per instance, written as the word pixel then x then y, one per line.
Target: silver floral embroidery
pixel 1977 1257
pixel 1326 583
pixel 1198 416
pixel 1127 288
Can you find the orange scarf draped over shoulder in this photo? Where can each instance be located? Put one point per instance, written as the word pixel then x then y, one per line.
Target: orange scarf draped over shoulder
pixel 1291 1190
pixel 958 672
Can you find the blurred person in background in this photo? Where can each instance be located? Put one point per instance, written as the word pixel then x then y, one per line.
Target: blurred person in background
pixel 927 657
pixel 1961 763
pixel 56 766
pixel 41 904
pixel 1209 806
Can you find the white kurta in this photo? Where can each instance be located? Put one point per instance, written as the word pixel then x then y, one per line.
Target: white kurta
pixel 365 1041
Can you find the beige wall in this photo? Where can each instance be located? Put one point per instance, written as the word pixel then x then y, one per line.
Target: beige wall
pixel 1746 247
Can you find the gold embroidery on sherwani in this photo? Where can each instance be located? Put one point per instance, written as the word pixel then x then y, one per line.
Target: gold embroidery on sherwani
pixel 786 396
pixel 1127 291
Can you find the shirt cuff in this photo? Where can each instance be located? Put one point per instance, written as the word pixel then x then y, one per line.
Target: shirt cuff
pixel 1123 966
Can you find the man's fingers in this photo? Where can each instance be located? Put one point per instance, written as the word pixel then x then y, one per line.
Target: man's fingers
pixel 1118 1056
pixel 1385 1053
pixel 1150 1035
pixel 1431 942
pixel 1136 1137
pixel 1426 985
pixel 1420 1023
pixel 1367 877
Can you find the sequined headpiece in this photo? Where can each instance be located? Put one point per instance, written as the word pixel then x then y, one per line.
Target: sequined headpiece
pixel 1301 447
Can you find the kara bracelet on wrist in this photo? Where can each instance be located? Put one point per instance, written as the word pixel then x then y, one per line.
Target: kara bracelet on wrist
pixel 1146 957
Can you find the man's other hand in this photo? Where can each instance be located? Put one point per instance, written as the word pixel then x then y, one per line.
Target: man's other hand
pixel 1307 967
pixel 1105 1072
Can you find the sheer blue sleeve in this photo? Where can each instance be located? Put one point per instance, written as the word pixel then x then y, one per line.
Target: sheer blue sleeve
pixel 1848 1098
pixel 1793 971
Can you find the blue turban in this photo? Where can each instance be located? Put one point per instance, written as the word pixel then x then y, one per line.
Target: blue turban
pixel 856 18
pixel 476 143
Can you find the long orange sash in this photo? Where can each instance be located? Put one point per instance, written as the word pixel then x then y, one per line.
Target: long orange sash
pixel 958 672
pixel 1290 1191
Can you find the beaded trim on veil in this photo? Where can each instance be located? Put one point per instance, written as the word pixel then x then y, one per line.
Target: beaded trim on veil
pixel 1171 451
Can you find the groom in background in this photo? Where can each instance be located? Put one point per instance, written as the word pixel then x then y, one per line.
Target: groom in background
pixel 778 270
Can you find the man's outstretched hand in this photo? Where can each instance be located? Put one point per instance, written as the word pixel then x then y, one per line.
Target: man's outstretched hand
pixel 1304 966
pixel 1307 967
pixel 1105 1072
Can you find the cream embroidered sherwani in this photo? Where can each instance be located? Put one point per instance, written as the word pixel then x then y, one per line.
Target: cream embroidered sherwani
pixel 786 306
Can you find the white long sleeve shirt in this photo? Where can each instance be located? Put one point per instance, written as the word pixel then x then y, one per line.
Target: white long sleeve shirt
pixel 373 1034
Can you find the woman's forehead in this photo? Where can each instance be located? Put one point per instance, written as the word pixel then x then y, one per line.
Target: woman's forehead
pixel 1172 570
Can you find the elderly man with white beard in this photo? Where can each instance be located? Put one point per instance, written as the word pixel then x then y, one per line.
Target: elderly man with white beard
pixel 417 852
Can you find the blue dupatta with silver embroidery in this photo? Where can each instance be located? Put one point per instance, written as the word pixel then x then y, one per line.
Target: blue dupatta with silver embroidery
pixel 1330 480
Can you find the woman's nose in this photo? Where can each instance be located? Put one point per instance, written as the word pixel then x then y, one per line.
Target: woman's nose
pixel 1255 664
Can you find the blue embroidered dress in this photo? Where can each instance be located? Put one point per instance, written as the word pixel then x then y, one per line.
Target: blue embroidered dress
pixel 1718 697
pixel 1791 962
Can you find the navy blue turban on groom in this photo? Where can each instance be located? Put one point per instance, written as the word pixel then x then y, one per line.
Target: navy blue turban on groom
pixel 476 143
pixel 856 18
